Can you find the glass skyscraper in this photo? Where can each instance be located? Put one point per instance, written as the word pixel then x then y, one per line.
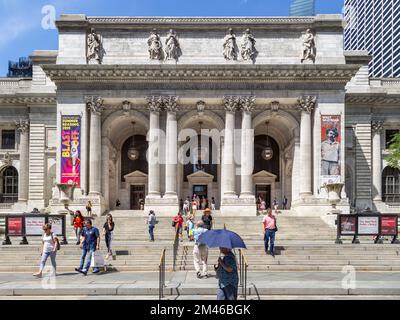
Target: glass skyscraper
pixel 374 25
pixel 302 8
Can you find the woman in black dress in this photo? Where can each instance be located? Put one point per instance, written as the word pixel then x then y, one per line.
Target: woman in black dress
pixel 108 230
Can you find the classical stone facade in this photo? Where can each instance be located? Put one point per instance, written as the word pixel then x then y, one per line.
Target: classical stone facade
pixel 137 110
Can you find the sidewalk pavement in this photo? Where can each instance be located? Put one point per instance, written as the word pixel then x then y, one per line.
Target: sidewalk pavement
pixel 183 284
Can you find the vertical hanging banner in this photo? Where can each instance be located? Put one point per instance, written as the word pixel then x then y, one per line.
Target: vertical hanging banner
pixel 330 149
pixel 71 149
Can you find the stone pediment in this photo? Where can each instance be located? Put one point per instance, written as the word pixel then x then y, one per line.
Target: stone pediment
pixel 264 175
pixel 200 177
pixel 135 176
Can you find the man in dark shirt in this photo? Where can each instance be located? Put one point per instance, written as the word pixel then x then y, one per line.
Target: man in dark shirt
pixel 207 219
pixel 90 242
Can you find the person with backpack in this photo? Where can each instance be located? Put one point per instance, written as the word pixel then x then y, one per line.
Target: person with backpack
pixel 151 222
pixel 90 242
pixel 270 228
pixel 50 245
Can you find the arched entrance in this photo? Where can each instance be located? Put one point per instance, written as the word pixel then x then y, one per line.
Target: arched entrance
pixel 8 185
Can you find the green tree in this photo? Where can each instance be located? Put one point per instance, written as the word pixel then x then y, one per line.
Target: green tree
pixel 394 152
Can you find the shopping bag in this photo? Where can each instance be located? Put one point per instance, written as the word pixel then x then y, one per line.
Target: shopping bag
pixel 97 260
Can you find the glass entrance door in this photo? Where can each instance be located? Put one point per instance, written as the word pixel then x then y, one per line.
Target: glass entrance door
pixel 137 197
pixel 264 192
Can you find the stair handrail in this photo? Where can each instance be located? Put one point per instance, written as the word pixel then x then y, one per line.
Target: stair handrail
pixel 175 248
pixel 161 269
pixel 243 266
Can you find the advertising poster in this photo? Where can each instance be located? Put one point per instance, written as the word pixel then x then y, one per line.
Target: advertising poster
pixel 56 225
pixel 70 149
pixel 330 149
pixel 389 226
pixel 348 225
pixel 34 226
pixel 14 226
pixel 368 225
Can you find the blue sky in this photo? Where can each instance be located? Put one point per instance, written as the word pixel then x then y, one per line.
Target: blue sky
pixel 21 20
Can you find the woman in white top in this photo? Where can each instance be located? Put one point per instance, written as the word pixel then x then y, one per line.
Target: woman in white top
pixel 49 249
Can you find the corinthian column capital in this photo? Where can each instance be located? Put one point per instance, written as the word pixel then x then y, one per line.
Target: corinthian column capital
pixel 247 103
pixel 94 104
pixel 170 103
pixel 307 103
pixel 377 126
pixel 22 125
pixel 154 103
pixel 231 103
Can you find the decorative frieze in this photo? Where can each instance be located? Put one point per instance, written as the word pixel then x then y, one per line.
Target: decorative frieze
pixel 307 103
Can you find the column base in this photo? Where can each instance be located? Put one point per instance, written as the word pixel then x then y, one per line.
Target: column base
pixel 163 207
pixel 238 207
pixel 99 206
pixel 312 206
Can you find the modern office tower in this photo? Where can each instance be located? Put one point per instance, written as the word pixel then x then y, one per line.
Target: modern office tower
pixel 302 8
pixel 374 25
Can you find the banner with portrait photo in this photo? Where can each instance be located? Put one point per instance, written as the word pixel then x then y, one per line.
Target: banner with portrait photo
pixel 330 149
pixel 70 149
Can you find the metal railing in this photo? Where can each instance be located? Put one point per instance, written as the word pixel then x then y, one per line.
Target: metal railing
pixel 175 249
pixel 161 269
pixel 243 266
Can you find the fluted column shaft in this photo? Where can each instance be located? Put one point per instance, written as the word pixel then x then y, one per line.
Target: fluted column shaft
pixel 228 158
pixel 23 174
pixel 171 154
pixel 377 127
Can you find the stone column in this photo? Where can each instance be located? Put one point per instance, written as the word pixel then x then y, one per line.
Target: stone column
pixel 23 174
pixel 155 106
pixel 377 128
pixel 307 105
pixel 105 174
pixel 171 163
pixel 229 181
pixel 95 106
pixel 247 147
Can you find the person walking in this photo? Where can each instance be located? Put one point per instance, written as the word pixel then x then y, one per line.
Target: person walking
pixel 284 203
pixel 50 245
pixel 151 222
pixel 203 203
pixel 200 251
pixel 78 225
pixel 270 228
pixel 194 208
pixel 89 208
pixel 186 206
pixel 275 204
pixel 190 227
pixel 108 233
pixel 227 273
pixel 178 224
pixel 213 203
pixel 90 242
pixel 207 219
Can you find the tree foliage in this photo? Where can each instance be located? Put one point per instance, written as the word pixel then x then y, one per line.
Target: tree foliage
pixel 394 152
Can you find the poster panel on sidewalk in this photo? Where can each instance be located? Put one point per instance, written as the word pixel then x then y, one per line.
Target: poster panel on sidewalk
pixel 14 226
pixel 389 225
pixel 330 149
pixel 348 225
pixel 70 149
pixel 368 225
pixel 56 225
pixel 34 226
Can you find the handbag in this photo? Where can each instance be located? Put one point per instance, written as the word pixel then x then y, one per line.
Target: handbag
pixel 97 260
pixel 58 246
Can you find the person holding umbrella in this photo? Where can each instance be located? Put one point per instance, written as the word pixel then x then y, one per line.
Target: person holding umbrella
pixel 227 270
pixel 227 273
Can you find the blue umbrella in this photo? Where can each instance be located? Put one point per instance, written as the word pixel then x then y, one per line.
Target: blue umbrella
pixel 222 238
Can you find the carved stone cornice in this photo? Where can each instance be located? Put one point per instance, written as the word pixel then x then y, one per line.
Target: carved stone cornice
pixel 181 74
pixel 377 126
pixel 22 126
pixel 231 103
pixel 28 99
pixel 307 103
pixel 247 103
pixel 95 104
pixel 368 99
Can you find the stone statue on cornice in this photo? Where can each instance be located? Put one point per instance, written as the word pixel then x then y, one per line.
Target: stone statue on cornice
pixel 172 48
pixel 309 49
pixel 94 47
pixel 155 46
pixel 230 46
pixel 248 46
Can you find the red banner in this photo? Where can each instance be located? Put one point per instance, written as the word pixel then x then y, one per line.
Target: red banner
pixel 14 226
